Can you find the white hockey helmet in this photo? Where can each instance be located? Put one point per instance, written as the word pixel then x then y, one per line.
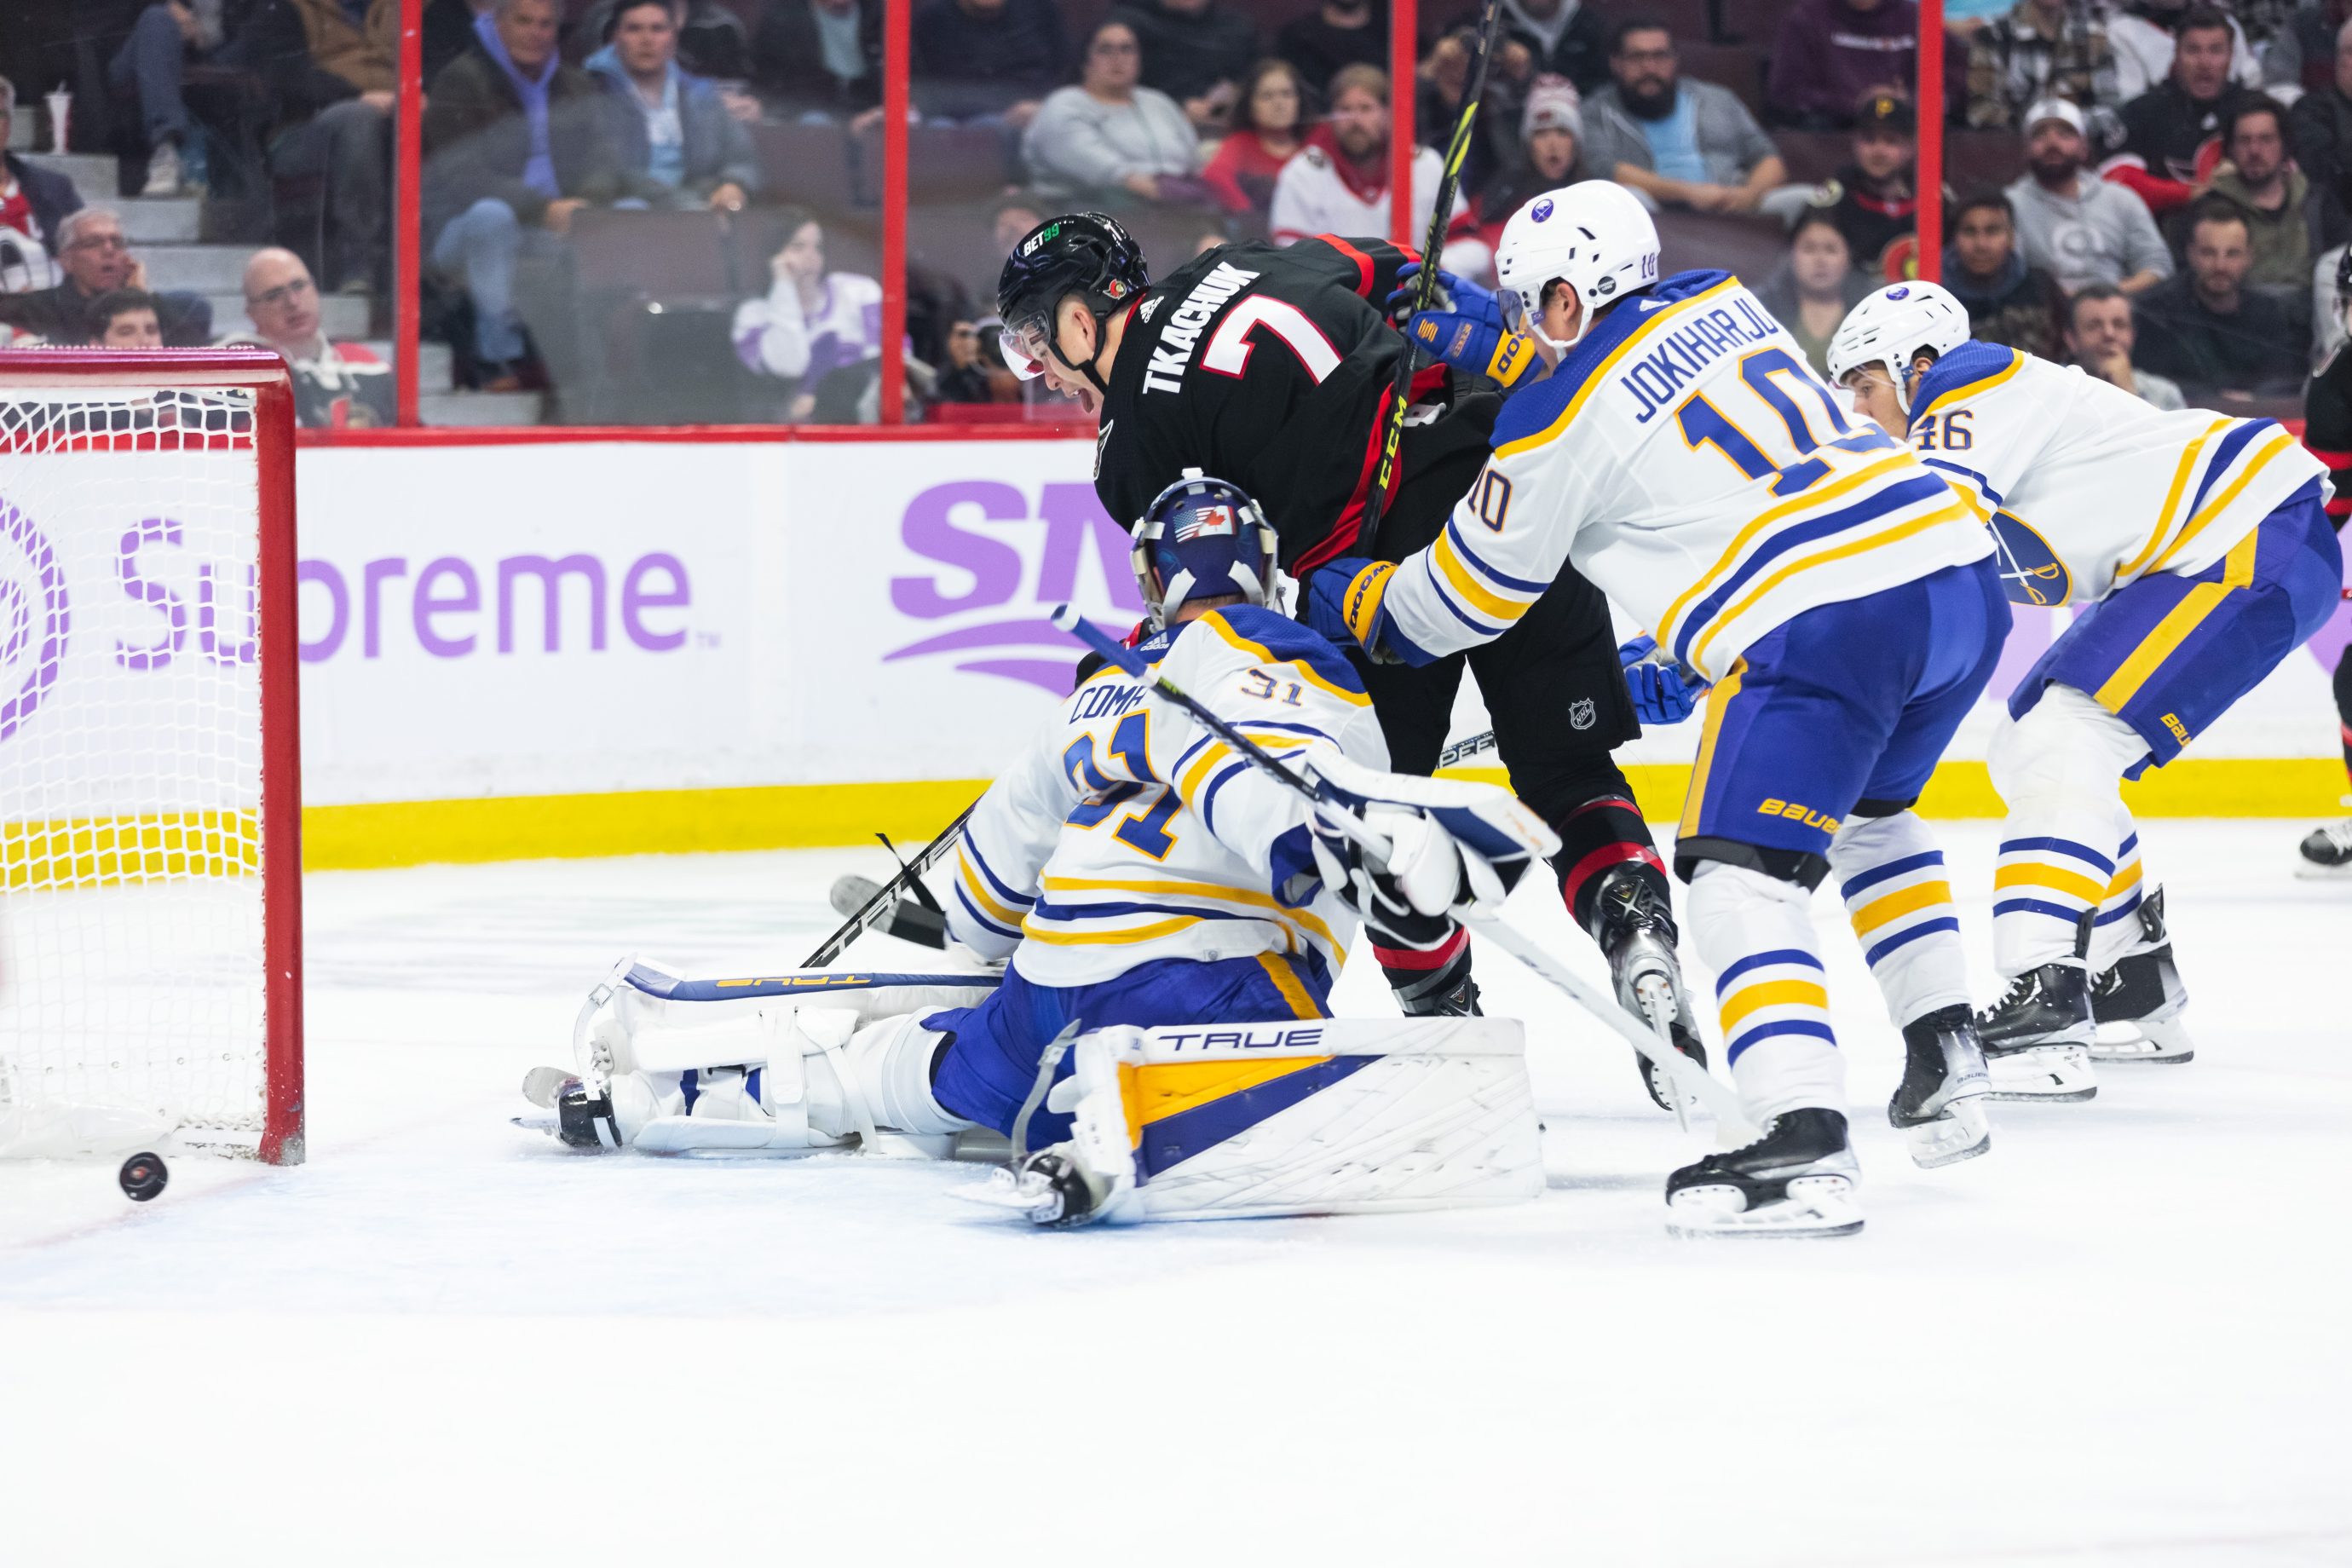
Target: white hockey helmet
pixel 1594 235
pixel 1891 326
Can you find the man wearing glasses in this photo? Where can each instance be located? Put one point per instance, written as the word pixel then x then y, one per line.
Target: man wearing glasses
pixel 337 387
pixel 97 260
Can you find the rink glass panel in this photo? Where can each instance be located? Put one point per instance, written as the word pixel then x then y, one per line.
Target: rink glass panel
pixel 131 950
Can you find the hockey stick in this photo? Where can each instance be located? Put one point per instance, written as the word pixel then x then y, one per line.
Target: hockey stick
pixel 1424 282
pixel 1688 1076
pixel 1463 750
pixel 879 908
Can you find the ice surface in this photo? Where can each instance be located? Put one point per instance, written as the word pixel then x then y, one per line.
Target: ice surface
pixel 2120 1338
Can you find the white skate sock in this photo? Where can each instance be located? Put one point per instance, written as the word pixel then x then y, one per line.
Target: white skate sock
pixel 1900 901
pixel 2057 768
pixel 2115 928
pixel 1754 931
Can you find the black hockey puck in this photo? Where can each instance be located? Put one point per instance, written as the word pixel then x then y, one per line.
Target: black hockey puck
pixel 144 1176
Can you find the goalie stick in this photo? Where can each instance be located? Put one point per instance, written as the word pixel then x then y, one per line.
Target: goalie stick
pixel 1424 282
pixel 1688 1076
pixel 1463 750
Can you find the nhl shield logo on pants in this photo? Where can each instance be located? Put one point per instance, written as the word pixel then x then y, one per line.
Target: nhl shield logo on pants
pixel 1580 713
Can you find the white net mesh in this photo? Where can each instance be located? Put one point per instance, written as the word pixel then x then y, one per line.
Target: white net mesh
pixel 132 958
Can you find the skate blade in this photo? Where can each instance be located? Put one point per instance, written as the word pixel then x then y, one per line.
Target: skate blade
pixel 2053 1073
pixel 535 1123
pixel 2157 1042
pixel 1962 1132
pixel 2312 871
pixel 1816 1205
pixel 1028 1195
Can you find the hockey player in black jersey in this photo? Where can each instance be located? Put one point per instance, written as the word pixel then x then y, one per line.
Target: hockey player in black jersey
pixel 2327 432
pixel 1273 367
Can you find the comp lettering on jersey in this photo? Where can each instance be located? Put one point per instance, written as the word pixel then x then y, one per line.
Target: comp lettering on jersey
pixel 1180 333
pixel 1658 375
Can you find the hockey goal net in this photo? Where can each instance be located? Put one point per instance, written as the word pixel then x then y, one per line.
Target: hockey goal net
pixel 150 791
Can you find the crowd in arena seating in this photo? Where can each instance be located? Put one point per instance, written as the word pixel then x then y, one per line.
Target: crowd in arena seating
pixel 664 210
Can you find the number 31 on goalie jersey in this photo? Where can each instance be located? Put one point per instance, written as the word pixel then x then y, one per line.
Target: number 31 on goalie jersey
pixel 1145 831
pixel 1787 389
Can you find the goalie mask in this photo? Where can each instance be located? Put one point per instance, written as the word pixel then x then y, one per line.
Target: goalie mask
pixel 1202 538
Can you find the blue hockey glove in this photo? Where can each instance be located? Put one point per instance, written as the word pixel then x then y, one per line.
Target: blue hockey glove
pixel 1663 693
pixel 1469 344
pixel 1346 601
pixel 1469 298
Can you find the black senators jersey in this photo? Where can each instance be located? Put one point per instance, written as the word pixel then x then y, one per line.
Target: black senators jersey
pixel 2327 428
pixel 1269 367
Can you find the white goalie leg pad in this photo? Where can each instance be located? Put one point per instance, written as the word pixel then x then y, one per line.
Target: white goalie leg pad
pixel 1329 1116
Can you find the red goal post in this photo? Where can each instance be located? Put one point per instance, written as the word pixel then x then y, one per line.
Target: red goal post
pixel 150 897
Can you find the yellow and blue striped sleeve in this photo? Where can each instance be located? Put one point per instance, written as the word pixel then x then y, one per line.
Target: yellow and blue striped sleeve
pixel 1501 549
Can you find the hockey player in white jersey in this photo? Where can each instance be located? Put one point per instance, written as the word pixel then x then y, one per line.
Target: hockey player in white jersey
pixel 2198 547
pixel 1139 875
pixel 1839 598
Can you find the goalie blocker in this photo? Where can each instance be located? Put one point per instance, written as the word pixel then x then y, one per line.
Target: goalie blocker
pixel 1208 1121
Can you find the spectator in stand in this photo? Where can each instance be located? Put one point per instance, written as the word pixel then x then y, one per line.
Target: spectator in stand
pixel 2268 192
pixel 1339 183
pixel 2075 225
pixel 1335 34
pixel 1681 143
pixel 1442 79
pixel 147 77
pixel 2099 338
pixel 987 60
pixel 1195 51
pixel 449 31
pixel 812 322
pixel 1108 140
pixel 333 70
pixel 820 59
pixel 34 202
pixel 2040 49
pixel 125 319
pixel 516 142
pixel 337 387
pixel 1551 137
pixel 965 379
pixel 711 40
pixel 1550 38
pixel 2304 55
pixel 2145 35
pixel 1872 199
pixel 97 260
pixel 674 129
pixel 1012 216
pixel 2319 130
pixel 1265 134
pixel 1831 52
pixel 2172 133
pixel 2010 302
pixel 2211 334
pixel 1814 286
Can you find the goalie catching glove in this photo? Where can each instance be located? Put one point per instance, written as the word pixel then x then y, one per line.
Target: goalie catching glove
pixel 1451 844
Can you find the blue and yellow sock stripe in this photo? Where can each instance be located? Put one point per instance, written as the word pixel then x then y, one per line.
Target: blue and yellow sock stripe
pixel 1771 995
pixel 2060 878
pixel 1899 903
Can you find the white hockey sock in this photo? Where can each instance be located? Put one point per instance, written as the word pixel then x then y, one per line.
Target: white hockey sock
pixel 1755 932
pixel 2115 928
pixel 2057 768
pixel 1900 901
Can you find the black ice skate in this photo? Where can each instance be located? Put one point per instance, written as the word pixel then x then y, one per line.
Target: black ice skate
pixel 1458 999
pixel 2143 991
pixel 1939 1106
pixel 1798 1179
pixel 2037 1038
pixel 1636 932
pixel 2328 851
pixel 583 1119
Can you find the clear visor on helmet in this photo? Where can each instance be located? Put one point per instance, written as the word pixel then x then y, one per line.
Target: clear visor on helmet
pixel 1514 309
pixel 1023 345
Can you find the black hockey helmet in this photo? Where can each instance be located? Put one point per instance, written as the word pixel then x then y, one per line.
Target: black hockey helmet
pixel 1087 254
pixel 1200 538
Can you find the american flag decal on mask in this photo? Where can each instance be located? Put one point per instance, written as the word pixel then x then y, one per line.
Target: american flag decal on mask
pixel 1204 522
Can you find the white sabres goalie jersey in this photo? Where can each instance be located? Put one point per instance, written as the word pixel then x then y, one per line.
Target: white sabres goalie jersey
pixel 1690 464
pixel 1128 832
pixel 2088 486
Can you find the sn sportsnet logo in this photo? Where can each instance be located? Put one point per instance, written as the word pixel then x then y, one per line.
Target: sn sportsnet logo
pixel 34 619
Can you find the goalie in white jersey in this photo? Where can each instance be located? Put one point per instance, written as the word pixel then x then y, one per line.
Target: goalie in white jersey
pixel 1139 875
pixel 1837 594
pixel 2201 550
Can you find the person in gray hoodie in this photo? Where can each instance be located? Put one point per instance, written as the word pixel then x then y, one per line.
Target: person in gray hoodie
pixel 1680 143
pixel 1107 138
pixel 2072 224
pixel 672 127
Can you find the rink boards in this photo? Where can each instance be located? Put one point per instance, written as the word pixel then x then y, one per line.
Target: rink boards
pixel 581 647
